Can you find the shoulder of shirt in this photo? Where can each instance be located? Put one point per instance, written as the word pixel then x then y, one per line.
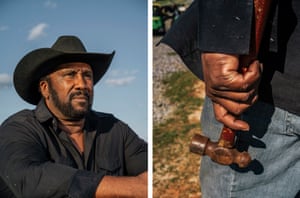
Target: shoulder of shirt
pixel 19 117
pixel 96 115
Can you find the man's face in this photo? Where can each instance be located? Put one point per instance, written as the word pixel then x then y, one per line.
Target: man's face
pixel 70 90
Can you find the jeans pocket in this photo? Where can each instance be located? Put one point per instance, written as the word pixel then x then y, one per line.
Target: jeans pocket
pixel 292 124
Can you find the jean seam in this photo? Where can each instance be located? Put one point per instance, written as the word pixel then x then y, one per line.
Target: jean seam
pixel 288 128
pixel 232 184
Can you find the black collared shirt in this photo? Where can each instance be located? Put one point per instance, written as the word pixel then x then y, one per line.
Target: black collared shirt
pixel 225 27
pixel 39 160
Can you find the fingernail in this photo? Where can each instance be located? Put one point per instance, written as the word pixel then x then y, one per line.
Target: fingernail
pixel 246 128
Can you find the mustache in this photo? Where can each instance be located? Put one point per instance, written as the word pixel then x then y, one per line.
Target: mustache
pixel 80 93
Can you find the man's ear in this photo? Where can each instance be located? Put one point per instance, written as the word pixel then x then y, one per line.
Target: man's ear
pixel 44 88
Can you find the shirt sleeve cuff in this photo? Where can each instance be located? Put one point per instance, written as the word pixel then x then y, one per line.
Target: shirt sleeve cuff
pixel 225 26
pixel 84 184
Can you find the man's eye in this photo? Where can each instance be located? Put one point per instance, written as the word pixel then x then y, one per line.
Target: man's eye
pixel 88 75
pixel 71 73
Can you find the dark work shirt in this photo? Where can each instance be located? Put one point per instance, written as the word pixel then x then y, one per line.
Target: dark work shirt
pixel 225 27
pixel 39 160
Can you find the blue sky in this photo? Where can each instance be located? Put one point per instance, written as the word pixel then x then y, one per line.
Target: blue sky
pixel 103 26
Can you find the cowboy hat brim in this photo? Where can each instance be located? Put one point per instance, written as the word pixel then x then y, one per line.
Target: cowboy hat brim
pixel 38 63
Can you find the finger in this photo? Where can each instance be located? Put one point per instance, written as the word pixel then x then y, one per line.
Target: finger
pixel 235 108
pixel 222 115
pixel 232 80
pixel 253 73
pixel 244 97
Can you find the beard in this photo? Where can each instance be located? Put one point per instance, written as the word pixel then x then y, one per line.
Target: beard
pixel 67 108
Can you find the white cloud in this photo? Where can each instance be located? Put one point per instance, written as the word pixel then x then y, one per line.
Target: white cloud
pixel 50 4
pixel 3 28
pixel 120 81
pixel 37 31
pixel 118 72
pixel 121 77
pixel 5 80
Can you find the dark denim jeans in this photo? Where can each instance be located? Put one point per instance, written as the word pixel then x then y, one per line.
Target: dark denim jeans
pixel 274 145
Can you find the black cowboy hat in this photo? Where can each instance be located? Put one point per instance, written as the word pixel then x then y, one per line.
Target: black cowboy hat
pixel 40 62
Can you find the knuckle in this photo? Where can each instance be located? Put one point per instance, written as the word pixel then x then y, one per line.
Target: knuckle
pixel 208 91
pixel 238 110
pixel 211 93
pixel 244 87
pixel 214 92
pixel 246 97
pixel 218 118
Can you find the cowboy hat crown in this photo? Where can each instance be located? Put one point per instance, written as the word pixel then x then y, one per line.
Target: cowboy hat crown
pixel 41 62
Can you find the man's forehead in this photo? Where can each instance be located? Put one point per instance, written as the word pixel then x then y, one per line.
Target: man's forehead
pixel 74 65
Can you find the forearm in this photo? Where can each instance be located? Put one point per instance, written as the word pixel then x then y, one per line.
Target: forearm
pixel 27 170
pixel 111 186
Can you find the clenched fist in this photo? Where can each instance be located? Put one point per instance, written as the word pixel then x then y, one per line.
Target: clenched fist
pixel 231 90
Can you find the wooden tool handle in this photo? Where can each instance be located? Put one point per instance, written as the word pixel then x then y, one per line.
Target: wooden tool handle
pixel 261 9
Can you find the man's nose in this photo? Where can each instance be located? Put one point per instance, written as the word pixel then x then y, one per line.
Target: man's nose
pixel 80 81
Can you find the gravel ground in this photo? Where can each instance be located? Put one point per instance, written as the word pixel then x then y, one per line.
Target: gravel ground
pixel 165 61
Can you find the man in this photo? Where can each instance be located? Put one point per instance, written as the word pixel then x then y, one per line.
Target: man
pixel 63 148
pixel 210 37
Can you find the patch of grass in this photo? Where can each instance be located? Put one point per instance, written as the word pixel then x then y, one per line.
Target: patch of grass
pixel 180 91
pixel 172 54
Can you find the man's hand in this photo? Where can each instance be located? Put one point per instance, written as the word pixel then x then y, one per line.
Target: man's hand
pixel 231 90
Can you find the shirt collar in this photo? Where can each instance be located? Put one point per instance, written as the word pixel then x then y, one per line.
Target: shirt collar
pixel 42 112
